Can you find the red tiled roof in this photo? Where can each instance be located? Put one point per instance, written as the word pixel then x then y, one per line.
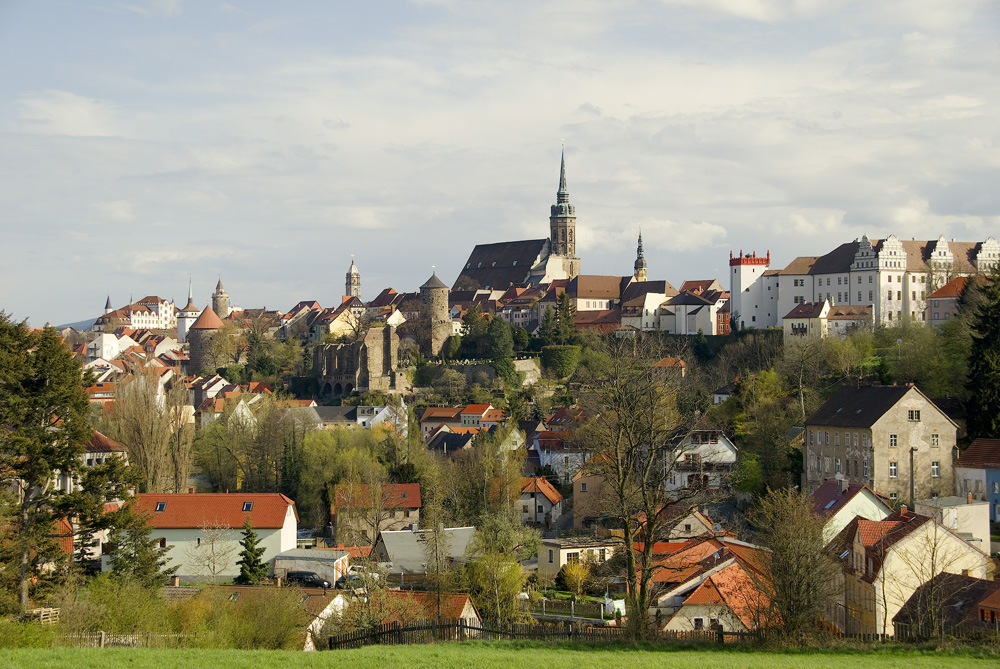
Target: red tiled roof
pixel 441 413
pixel 195 509
pixel 394 496
pixel 981 454
pixel 541 485
pixel 208 320
pixel 355 552
pixel 452 603
pixel 735 588
pixel 100 443
pixel 828 500
pixel 477 409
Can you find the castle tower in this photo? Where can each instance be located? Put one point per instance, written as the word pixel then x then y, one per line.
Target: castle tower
pixel 107 306
pixel 186 317
pixel 434 296
pixel 640 261
pixel 352 286
pixel 199 336
pixel 746 289
pixel 562 225
pixel 220 301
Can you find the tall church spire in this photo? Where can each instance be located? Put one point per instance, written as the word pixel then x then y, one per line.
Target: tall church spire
pixel 562 195
pixel 352 286
pixel 640 261
pixel 562 224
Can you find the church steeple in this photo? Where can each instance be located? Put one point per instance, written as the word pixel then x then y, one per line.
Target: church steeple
pixel 562 224
pixel 640 261
pixel 352 286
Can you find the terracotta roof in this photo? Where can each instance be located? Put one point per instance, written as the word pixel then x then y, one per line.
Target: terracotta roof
pixel 981 454
pixel 953 288
pixel 477 409
pixel 555 440
pixel 208 320
pixel 452 603
pixel 355 552
pixel 441 413
pixel 589 286
pixel 100 443
pixel 800 265
pixel 394 496
pixel 568 416
pixel 539 484
pixel 193 510
pixel 670 361
pixel 734 587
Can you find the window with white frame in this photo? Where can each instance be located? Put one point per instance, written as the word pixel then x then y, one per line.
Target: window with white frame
pixel 913 414
pixel 893 469
pixel 892 441
pixel 935 439
pixel 935 469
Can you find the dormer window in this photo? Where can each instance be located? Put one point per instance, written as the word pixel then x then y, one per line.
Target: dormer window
pixel 247 507
pixel 161 507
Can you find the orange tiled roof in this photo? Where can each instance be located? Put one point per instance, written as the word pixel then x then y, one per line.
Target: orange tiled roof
pixel 735 588
pixel 193 510
pixel 394 495
pixel 452 603
pixel 540 484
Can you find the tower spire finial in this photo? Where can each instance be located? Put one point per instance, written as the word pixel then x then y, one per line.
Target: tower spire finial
pixel 562 196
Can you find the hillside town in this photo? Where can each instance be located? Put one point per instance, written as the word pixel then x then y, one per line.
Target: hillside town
pixel 807 448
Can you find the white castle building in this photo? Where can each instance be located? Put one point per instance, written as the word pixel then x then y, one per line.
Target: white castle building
pixel 892 275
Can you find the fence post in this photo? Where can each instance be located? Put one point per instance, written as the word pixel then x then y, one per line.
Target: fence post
pixel 100 639
pixel 572 609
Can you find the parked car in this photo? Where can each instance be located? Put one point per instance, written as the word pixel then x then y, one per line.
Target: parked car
pixel 307 579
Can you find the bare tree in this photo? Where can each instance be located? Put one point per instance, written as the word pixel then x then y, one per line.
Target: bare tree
pixel 362 503
pixel 798 575
pixel 137 420
pixel 633 445
pixel 180 416
pixel 213 554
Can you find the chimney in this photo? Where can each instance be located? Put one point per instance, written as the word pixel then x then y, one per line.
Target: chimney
pixel 968 498
pixel 842 485
pixel 190 491
pixel 175 581
pixel 902 509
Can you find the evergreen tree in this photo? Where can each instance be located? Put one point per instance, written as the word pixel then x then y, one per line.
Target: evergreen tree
pixel 984 364
pixel 499 340
pixel 547 329
pixel 565 329
pixel 252 570
pixel 43 414
pixel 137 557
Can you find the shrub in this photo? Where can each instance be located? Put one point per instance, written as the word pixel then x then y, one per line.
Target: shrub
pixel 25 635
pixel 265 619
pixel 560 360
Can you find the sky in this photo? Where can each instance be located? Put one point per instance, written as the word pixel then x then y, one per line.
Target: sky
pixel 149 142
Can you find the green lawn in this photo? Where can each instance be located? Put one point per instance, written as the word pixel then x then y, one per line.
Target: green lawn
pixel 487 655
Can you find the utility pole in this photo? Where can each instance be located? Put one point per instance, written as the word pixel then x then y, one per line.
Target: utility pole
pixel 913 500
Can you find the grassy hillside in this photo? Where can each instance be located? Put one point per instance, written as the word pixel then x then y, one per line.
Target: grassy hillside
pixel 496 654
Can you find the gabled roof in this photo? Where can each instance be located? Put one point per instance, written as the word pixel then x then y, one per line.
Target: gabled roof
pixel 442 413
pixel 394 496
pixel 100 443
pixel 406 548
pixel 828 500
pixel 806 310
pixel 981 454
pixel 449 442
pixel 957 597
pixel 453 604
pixel 688 298
pixel 859 407
pixel 476 409
pixel 192 510
pixel 734 587
pixel 850 312
pixel 501 264
pixel 541 485
pixel 590 286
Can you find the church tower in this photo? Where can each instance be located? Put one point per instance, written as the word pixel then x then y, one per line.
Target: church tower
pixel 640 261
pixel 562 226
pixel 107 306
pixel 220 301
pixel 352 286
pixel 187 316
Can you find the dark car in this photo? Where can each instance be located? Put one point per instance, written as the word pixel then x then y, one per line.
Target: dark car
pixel 307 579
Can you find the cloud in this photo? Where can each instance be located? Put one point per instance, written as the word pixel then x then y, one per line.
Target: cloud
pixel 120 210
pixel 155 8
pixel 56 112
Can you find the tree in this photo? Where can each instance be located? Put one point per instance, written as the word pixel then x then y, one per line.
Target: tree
pixel 214 551
pixel 494 573
pixel 252 570
pixel 155 427
pixel 547 328
pixel 799 576
pixel 575 573
pixel 43 411
pixel 499 340
pixel 632 437
pixel 565 328
pixel 984 363
pixel 111 481
pixel 136 556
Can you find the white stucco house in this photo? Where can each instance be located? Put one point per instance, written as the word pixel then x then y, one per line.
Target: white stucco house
pixel 178 520
pixel 705 457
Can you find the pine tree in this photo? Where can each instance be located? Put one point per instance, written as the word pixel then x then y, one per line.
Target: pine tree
pixel 137 557
pixel 547 329
pixel 984 364
pixel 43 414
pixel 565 311
pixel 252 570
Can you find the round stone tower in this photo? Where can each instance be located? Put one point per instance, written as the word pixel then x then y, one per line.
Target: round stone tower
pixel 434 296
pixel 199 336
pixel 220 301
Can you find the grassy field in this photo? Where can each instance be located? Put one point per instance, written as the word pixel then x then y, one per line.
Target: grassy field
pixel 488 655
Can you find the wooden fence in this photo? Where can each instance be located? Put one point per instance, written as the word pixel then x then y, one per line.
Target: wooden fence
pixel 432 631
pixel 109 640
